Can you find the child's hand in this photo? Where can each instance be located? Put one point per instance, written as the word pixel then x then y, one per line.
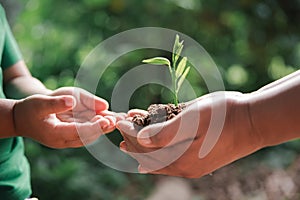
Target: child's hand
pixel 70 117
pixel 88 107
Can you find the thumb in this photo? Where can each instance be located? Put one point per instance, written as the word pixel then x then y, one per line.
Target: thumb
pixel 157 135
pixel 182 127
pixel 49 105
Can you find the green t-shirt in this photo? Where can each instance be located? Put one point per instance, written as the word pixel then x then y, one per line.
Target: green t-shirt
pixel 14 167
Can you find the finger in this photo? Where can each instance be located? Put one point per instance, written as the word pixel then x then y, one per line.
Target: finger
pixel 88 130
pixel 85 115
pixel 145 170
pixel 126 128
pixel 112 124
pixel 165 171
pixel 157 135
pixel 93 102
pixel 166 165
pixel 74 131
pixel 48 105
pixel 103 122
pixel 100 104
pixel 81 142
pixel 145 158
pixel 129 134
pixel 151 163
pixel 118 116
pixel 112 120
pixel 124 148
pixel 107 123
pixel 133 112
pixel 97 117
pixel 106 112
pixel 108 129
pixel 138 155
pixel 73 134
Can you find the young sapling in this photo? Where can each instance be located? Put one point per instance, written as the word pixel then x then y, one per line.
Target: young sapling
pixel 178 69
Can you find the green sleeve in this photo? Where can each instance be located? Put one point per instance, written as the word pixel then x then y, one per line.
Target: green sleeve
pixel 11 53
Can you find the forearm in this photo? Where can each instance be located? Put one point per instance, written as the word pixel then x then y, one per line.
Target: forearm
pixel 19 83
pixel 275 110
pixel 24 86
pixel 6 117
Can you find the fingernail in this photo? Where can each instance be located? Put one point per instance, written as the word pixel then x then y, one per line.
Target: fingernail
pixel 69 102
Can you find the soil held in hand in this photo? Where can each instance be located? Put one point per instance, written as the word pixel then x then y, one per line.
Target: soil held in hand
pixel 157 113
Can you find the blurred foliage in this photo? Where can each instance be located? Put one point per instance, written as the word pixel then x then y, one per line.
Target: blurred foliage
pixel 252 42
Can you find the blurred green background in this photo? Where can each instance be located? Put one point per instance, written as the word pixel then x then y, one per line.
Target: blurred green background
pixel 252 43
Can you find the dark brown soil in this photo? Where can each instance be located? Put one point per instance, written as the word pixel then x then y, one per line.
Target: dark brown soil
pixel 157 113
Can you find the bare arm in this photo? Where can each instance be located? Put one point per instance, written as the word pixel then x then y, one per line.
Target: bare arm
pixel 275 110
pixel 18 82
pixel 66 117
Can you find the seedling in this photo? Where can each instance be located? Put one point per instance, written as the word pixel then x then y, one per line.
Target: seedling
pixel 178 68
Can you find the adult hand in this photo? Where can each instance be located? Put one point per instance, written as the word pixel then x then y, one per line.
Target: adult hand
pixel 197 141
pixel 69 117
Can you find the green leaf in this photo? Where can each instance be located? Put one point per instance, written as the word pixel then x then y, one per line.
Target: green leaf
pixel 177 53
pixel 157 61
pixel 181 79
pixel 181 67
pixel 177 49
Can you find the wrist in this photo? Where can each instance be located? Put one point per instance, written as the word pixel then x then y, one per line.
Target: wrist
pixel 247 138
pixel 253 130
pixel 14 118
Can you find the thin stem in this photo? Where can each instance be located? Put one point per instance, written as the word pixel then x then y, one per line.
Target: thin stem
pixel 174 88
pixel 175 99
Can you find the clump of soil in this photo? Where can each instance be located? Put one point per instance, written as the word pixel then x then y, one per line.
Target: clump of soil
pixel 157 113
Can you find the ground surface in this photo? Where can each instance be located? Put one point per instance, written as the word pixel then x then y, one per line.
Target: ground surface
pixel 244 180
